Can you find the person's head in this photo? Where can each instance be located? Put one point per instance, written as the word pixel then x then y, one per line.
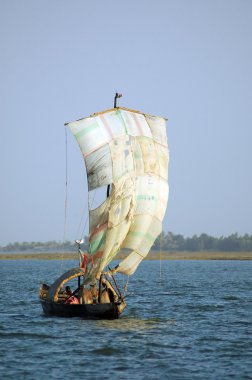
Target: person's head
pixel 68 290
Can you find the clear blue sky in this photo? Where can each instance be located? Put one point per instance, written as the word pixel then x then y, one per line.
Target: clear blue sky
pixel 189 61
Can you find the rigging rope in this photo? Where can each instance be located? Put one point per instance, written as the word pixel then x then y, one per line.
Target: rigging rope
pixel 86 219
pixel 65 221
pixel 78 233
pixel 160 261
pixel 125 288
pixel 90 207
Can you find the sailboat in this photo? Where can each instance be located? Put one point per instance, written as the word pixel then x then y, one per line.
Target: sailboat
pixel 125 153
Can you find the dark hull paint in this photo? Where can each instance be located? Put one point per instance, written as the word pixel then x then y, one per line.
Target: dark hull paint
pixel 85 311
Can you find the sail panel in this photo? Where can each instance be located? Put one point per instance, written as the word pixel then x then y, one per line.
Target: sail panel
pixel 89 134
pixel 114 239
pixel 117 214
pixel 151 196
pixel 95 131
pixel 113 124
pixel 139 240
pixel 119 211
pixel 142 233
pixel 99 215
pixel 149 155
pixel 137 156
pixel 99 168
pixel 158 129
pixel 162 199
pixel 147 195
pixel 135 123
pixel 122 160
pixel 129 265
pixel 97 239
pixel 163 160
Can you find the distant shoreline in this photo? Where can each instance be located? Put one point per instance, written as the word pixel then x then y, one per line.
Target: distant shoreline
pixel 151 256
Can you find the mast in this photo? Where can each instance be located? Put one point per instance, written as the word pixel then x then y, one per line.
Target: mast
pixel 117 95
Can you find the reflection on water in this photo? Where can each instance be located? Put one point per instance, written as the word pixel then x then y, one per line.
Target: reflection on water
pixel 135 325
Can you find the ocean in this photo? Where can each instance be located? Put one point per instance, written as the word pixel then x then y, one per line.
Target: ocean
pixel 184 320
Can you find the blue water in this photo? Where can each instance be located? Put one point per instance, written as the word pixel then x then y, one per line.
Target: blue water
pixel 193 322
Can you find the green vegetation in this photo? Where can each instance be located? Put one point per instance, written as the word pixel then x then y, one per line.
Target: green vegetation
pixel 168 242
pixel 50 246
pixel 233 243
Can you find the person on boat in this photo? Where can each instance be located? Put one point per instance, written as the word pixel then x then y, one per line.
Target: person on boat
pixel 80 294
pixel 108 292
pixel 68 291
pixel 43 290
pixel 104 298
pixel 87 296
pixel 84 295
pixel 71 298
pixel 113 296
pixel 94 292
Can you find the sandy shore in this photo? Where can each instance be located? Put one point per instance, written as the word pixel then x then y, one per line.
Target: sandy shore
pixel 151 256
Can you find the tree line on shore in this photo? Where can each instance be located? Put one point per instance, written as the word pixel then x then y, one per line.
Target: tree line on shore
pixel 203 242
pixel 169 242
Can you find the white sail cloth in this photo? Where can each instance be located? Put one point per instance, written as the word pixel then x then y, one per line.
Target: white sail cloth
pixel 128 150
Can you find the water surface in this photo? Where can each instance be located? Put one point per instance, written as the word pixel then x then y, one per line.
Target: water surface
pixel 192 320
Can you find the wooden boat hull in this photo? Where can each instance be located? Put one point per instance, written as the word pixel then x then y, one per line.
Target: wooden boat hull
pixel 85 311
pixel 54 300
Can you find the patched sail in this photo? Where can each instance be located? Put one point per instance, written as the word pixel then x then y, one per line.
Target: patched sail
pixel 127 150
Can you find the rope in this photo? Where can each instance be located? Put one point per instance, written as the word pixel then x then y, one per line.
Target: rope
pixel 78 234
pixel 160 261
pixel 125 288
pixel 85 211
pixel 65 221
pixel 89 208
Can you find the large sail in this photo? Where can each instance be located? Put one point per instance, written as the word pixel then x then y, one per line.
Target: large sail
pixel 127 150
